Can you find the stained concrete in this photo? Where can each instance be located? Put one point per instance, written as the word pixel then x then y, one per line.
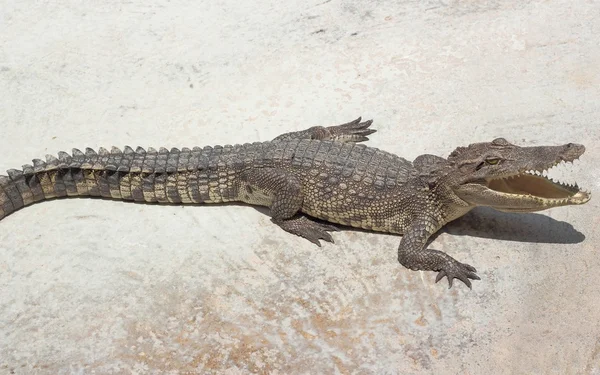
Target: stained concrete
pixel 101 287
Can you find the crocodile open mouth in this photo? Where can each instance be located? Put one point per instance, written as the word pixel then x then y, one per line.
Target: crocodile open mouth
pixel 535 184
pixel 519 181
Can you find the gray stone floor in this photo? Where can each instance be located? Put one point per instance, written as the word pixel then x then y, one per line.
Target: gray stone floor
pixel 91 286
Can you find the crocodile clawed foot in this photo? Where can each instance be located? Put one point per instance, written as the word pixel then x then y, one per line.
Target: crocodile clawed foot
pixel 353 131
pixel 456 270
pixel 307 228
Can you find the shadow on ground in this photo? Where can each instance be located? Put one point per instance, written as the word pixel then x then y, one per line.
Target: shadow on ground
pixel 481 222
pixel 486 222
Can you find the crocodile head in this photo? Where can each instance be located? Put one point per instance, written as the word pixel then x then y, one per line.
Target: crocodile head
pixel 512 178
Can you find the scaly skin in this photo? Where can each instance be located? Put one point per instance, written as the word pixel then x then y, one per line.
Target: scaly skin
pixel 320 172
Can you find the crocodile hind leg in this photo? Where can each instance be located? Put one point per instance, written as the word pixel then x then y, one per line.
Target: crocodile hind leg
pixel 353 131
pixel 282 193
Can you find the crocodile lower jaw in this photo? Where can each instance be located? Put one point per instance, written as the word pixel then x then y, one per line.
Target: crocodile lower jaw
pixel 544 190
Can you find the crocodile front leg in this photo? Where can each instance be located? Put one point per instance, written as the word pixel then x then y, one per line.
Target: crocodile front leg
pixel 281 191
pixel 353 131
pixel 413 254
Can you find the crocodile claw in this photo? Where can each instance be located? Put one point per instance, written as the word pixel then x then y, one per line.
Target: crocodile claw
pixel 353 131
pixel 460 271
pixel 317 232
pixel 307 228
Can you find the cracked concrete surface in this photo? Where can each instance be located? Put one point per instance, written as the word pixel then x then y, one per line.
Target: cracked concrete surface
pixel 105 287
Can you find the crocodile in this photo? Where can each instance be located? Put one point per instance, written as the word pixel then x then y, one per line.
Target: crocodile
pixel 312 178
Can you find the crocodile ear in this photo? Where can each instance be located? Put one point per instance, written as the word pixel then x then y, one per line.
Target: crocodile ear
pixel 426 164
pixel 430 168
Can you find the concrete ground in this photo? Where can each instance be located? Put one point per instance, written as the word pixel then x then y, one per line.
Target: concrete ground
pixel 105 287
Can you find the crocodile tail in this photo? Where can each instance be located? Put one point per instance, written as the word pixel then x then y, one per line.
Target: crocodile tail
pixel 139 175
pixel 31 184
pixel 8 194
pixel 14 192
pixel 62 176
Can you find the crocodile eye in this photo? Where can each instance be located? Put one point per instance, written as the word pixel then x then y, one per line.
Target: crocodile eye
pixel 492 161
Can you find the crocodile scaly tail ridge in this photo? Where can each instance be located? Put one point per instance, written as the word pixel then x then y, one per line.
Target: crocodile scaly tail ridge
pixel 62 176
